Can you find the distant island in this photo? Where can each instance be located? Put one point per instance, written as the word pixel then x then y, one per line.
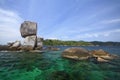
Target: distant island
pixel 51 42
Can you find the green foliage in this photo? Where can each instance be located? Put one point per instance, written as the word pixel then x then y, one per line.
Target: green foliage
pixel 65 43
pixel 78 43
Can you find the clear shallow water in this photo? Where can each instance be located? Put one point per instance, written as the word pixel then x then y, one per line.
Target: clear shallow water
pixel 51 66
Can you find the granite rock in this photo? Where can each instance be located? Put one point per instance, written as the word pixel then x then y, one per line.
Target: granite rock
pixel 30 43
pixel 76 53
pixel 28 28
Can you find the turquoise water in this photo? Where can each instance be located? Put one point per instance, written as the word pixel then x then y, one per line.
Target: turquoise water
pixel 51 66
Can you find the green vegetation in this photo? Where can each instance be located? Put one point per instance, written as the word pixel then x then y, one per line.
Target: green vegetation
pixel 65 43
pixel 79 43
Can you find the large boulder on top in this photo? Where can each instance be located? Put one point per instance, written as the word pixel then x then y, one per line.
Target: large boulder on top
pixel 30 43
pixel 76 53
pixel 28 28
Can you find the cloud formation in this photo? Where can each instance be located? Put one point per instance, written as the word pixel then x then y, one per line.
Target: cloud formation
pixel 87 20
pixel 9 26
pixel 111 21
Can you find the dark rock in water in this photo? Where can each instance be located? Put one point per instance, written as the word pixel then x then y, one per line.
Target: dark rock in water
pixel 55 49
pixel 52 48
pixel 10 43
pixel 30 43
pixel 4 47
pixel 39 43
pixel 28 28
pixel 76 53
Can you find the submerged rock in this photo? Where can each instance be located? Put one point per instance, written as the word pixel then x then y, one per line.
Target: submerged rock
pixel 76 53
pixel 28 28
pixel 53 48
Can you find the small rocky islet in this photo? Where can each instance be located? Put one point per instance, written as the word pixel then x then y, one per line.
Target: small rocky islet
pixel 83 63
pixel 33 43
pixel 100 55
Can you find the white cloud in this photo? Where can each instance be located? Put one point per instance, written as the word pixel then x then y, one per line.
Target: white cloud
pixel 108 35
pixel 111 21
pixel 9 26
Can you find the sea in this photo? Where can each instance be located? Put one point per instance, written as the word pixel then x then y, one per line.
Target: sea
pixel 50 65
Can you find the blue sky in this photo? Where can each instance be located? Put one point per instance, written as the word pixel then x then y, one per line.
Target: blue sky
pixel 88 20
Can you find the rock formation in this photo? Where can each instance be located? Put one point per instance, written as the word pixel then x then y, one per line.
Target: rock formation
pixel 28 29
pixel 29 33
pixel 101 55
pixel 39 43
pixel 52 48
pixel 83 54
pixel 30 42
pixel 14 46
pixel 76 53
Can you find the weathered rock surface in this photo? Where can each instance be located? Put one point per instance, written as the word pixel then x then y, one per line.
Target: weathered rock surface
pixel 52 48
pixel 83 54
pixel 10 44
pixel 76 53
pixel 29 43
pixel 39 43
pixel 99 52
pixel 16 44
pixel 4 47
pixel 28 28
pixel 102 56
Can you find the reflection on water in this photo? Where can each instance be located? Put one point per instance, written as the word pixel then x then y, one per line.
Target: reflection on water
pixel 50 66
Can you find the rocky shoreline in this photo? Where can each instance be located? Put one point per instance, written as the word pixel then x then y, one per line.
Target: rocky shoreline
pixel 31 41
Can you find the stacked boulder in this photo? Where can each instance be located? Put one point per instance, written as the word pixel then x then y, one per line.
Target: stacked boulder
pixel 28 31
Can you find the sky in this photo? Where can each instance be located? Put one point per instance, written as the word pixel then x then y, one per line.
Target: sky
pixel 87 20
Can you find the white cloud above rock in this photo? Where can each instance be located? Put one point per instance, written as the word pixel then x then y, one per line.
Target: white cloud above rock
pixel 9 26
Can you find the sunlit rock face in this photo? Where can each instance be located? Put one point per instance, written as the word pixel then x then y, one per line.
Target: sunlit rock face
pixel 83 54
pixel 30 41
pixel 76 53
pixel 28 28
pixel 102 56
pixel 28 31
pixel 16 44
